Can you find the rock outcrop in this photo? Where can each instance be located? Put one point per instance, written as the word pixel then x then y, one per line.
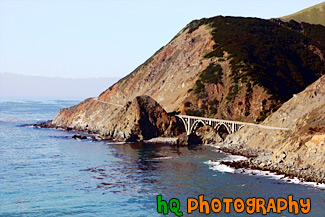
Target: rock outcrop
pixel 142 119
pixel 208 135
pixel 188 140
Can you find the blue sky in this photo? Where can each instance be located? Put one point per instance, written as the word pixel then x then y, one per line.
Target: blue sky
pixel 97 38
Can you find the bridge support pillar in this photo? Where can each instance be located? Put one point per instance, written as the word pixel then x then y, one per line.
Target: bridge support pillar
pixel 188 126
pixel 232 128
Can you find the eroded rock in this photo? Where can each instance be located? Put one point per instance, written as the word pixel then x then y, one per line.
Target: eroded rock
pixel 188 140
pixel 78 136
pixel 208 135
pixel 142 119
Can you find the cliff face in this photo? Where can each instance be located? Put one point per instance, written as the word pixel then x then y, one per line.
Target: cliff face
pixel 222 67
pixel 303 146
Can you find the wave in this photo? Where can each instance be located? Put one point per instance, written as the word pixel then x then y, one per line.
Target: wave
pixel 217 166
pixel 163 158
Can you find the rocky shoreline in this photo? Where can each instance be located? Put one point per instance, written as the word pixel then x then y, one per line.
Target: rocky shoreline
pixel 256 159
pixel 261 160
pixel 50 125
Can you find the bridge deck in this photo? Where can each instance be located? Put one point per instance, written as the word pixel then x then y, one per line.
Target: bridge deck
pixel 234 122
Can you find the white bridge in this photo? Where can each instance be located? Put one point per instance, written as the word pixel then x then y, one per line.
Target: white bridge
pixel 191 123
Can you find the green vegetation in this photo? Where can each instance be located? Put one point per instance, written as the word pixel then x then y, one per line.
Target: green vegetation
pixel 213 107
pixel 272 54
pixel 233 90
pixel 198 87
pixel 193 112
pixel 313 15
pixel 214 53
pixel 212 74
pixel 195 24
pixel 266 111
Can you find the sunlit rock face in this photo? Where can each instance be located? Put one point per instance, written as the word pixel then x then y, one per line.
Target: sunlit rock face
pixel 142 119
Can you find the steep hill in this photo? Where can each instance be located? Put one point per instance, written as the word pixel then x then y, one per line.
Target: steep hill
pixel 313 15
pixel 302 148
pixel 223 67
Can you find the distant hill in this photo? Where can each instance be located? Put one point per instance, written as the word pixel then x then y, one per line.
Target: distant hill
pixel 16 85
pixel 313 15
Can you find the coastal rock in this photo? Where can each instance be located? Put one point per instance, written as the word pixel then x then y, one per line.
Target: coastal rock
pixel 46 124
pixel 94 139
pixel 162 140
pixel 78 136
pixel 188 140
pixel 142 119
pixel 208 135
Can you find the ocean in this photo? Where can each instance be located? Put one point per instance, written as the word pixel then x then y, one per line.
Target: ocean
pixel 44 172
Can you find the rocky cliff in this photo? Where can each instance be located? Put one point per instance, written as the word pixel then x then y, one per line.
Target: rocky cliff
pixel 299 151
pixel 223 67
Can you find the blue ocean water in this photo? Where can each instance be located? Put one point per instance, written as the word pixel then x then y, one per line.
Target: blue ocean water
pixel 44 172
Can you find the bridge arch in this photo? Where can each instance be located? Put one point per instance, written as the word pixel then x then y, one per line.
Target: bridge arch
pixel 196 124
pixel 220 129
pixel 240 126
pixel 186 124
pixel 222 125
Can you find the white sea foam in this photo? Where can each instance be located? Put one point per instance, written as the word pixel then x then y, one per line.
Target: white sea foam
pixel 114 143
pixel 230 158
pixel 213 145
pixel 217 166
pixel 163 158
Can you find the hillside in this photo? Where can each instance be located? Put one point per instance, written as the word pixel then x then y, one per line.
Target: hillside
pixel 302 149
pixel 313 15
pixel 223 67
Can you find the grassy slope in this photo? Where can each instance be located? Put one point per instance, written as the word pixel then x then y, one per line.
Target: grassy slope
pixel 313 15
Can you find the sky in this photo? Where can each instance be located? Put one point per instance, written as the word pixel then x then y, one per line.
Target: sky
pixel 106 38
pixel 15 85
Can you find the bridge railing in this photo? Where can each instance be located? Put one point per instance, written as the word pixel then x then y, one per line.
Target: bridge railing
pixel 233 122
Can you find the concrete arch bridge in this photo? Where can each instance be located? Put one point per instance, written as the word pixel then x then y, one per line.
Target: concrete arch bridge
pixel 191 123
